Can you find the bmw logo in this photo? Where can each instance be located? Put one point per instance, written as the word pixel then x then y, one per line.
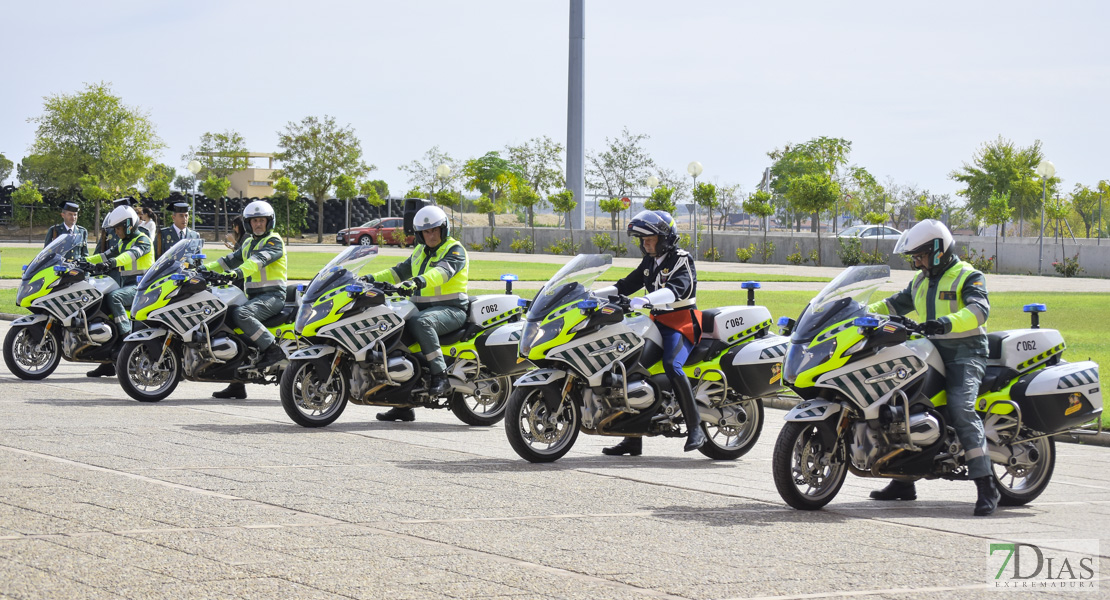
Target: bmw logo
pixel 901 373
pixel 84 298
pixel 383 327
pixel 207 310
pixel 621 347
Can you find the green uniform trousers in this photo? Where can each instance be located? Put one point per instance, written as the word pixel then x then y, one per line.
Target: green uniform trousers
pixel 119 302
pixel 427 326
pixel 249 317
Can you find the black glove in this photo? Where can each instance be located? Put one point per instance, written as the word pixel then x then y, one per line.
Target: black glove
pixel 368 278
pixel 934 327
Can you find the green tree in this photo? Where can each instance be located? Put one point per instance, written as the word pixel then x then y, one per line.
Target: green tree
pixel 541 164
pixel 998 212
pixel 822 155
pixel 219 154
pixel 705 195
pixel 370 191
pixel 27 196
pixel 491 208
pixel 1056 209
pixel 94 133
pixel 927 210
pixel 493 177
pixel 613 206
pixel 183 183
pixel 314 153
pixel 662 198
pixel 760 205
pixel 814 193
pixel 158 190
pixel 286 199
pixel 728 200
pixel 6 167
pixel 160 172
pixel 622 168
pixel 45 171
pixel 1002 168
pixel 563 203
pixel 215 188
pixel 1085 202
pixel 425 174
pixel 525 197
pixel 380 186
pixel 346 189
pixel 452 199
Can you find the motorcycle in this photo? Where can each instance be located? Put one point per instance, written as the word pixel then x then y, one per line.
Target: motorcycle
pixel 873 398
pixel 361 352
pixel 188 334
pixel 601 371
pixel 69 315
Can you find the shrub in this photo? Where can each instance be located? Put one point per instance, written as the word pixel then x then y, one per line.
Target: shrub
pixel 849 251
pixel 684 241
pixel 606 244
pixel 712 254
pixel 381 240
pixel 980 261
pixel 525 245
pixel 1068 267
pixel 492 243
pixel 766 251
pixel 399 237
pixel 795 258
pixel 875 258
pixel 745 254
pixel 564 246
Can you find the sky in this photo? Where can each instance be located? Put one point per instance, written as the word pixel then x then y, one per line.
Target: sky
pixel 916 87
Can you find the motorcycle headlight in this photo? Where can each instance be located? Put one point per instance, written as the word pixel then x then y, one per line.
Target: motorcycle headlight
pixel 309 313
pixel 534 335
pixel 28 288
pixel 800 359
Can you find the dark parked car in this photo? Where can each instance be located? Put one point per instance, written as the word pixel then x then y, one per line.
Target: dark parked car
pixel 367 233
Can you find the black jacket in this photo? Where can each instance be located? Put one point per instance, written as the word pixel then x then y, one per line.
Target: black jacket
pixel 676 272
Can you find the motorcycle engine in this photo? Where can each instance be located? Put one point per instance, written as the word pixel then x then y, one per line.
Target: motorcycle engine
pixel 224 348
pixel 924 429
pixel 865 445
pixel 401 369
pixel 100 332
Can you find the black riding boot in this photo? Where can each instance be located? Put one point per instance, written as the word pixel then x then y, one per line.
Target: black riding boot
pixel 104 370
pixel 685 395
pixel 397 414
pixel 988 496
pixel 233 391
pixel 632 446
pixel 896 490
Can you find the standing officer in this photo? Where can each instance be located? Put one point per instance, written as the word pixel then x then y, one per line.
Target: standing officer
pixel 952 298
pixel 69 226
pixel 131 257
pixel 177 231
pixel 437 271
pixel 261 264
pixel 667 273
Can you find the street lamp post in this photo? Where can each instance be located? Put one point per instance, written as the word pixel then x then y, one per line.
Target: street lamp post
pixel 1045 170
pixel 442 173
pixel 695 169
pixel 194 168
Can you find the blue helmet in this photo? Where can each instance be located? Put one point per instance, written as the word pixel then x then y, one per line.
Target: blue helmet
pixel 655 222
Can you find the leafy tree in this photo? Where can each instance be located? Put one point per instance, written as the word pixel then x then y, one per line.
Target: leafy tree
pixel 760 205
pixel 613 206
pixel 998 212
pixel 662 198
pixel 1056 210
pixel 6 167
pixel 380 186
pixel 1002 168
pixel 27 195
pixel 525 197
pixel 215 188
pixel 370 190
pixel 493 177
pixel 927 209
pixel 219 154
pixel 562 203
pixel 491 208
pixel 728 200
pixel 622 168
pixel 94 133
pixel 160 172
pixel 286 200
pixel 679 183
pixel 705 194
pixel 314 153
pixel 822 155
pixel 346 189
pixel 45 171
pixel 814 193
pixel 452 199
pixel 158 190
pixel 183 183
pixel 1085 202
pixel 425 174
pixel 541 164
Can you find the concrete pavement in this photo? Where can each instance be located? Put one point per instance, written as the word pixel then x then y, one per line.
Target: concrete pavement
pixel 104 497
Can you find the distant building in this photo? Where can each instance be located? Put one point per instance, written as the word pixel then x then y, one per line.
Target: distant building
pixel 252 182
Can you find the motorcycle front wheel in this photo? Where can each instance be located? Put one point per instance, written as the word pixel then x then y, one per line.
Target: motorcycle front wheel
pixel 142 375
pixel 535 433
pixel 729 440
pixel 486 406
pixel 26 359
pixel 309 398
pixel 808 474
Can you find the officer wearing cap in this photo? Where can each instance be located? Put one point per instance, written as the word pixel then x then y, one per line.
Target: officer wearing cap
pixel 179 230
pixel 69 226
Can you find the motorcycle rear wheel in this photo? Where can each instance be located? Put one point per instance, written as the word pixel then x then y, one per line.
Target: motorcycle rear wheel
pixel 142 378
pixel 534 434
pixel 22 358
pixel 1021 485
pixel 306 398
pixel 730 442
pixel 480 410
pixel 806 474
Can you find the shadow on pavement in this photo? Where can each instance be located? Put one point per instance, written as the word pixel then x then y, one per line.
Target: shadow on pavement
pixel 759 514
pixel 292 428
pixel 125 399
pixel 493 465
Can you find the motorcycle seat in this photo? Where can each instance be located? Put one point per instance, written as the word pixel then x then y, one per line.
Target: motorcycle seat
pixel 291 293
pixel 458 335
pixel 996 378
pixel 994 344
pixel 286 315
pixel 705 349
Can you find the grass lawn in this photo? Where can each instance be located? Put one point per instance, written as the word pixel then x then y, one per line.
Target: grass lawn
pixel 305 265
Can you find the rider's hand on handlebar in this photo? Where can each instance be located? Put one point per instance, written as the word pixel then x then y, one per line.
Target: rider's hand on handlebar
pixel 367 278
pixel 638 302
pixel 933 327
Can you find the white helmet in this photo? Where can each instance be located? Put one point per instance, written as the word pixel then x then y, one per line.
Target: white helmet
pixel 259 208
pixel 929 236
pixel 122 215
pixel 431 217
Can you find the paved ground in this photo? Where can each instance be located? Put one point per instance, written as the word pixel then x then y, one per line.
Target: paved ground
pixel 103 497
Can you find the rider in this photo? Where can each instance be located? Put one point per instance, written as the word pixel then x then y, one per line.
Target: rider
pixel 261 264
pixel 437 272
pixel 131 255
pixel 667 273
pixel 952 298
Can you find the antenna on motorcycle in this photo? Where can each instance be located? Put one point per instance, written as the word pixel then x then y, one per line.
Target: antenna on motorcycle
pixel 509 278
pixel 1035 311
pixel 751 286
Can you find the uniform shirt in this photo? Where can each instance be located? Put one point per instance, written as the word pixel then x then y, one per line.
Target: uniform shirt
pixel 168 236
pixel 261 252
pixel 81 250
pixel 454 264
pixel 675 272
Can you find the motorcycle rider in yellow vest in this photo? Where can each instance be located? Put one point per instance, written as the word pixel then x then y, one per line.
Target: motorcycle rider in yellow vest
pixel 951 297
pixel 131 255
pixel 437 274
pixel 261 263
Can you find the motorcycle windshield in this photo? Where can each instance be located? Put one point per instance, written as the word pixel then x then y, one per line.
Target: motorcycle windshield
pixel 170 261
pixel 53 254
pixel 343 269
pixel 844 297
pixel 570 283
